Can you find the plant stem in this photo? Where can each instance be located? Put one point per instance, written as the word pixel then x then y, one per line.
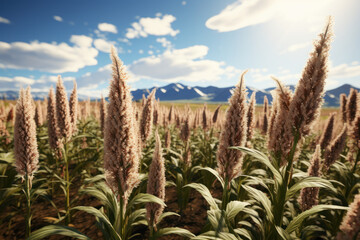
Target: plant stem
pixel 284 187
pixel 67 182
pixel 356 161
pixel 28 206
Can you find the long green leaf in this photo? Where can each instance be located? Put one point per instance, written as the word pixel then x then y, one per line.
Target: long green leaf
pixel 309 182
pixel 216 174
pixel 144 198
pixel 57 230
pixel 297 221
pixel 260 196
pixel 233 208
pixel 102 218
pixel 264 159
pixel 174 230
pixel 204 191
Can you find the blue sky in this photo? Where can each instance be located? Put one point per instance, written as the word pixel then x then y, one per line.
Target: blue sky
pixel 194 42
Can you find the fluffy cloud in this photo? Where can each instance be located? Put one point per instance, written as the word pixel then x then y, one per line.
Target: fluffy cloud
pixel 54 58
pixel 107 27
pixel 244 13
pixel 152 26
pixel 345 71
pixel 58 18
pixel 81 40
pixel 185 64
pixel 4 20
pixel 297 46
pixel 164 42
pixel 103 45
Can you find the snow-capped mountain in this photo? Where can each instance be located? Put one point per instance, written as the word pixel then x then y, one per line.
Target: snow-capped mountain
pixel 181 92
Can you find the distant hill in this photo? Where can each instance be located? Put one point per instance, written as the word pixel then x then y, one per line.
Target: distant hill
pixel 181 92
pixel 177 91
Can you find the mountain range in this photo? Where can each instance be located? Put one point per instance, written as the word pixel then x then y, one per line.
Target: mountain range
pixel 177 91
pixel 181 92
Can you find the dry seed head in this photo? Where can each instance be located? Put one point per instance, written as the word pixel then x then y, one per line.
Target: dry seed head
pixel 62 111
pixel 167 139
pixel 102 113
pixel 308 97
pixel 38 115
pixel 309 196
pixel 121 158
pixel 343 100
pixel 185 130
pixel 147 117
pixel 25 144
pixel 327 134
pixel 216 114
pixel 156 182
pixel 53 129
pixel 351 106
pixel 233 133
pixel 274 112
pixel 204 118
pixel 350 226
pixel 73 105
pixel 332 153
pixel 251 117
pixel 278 131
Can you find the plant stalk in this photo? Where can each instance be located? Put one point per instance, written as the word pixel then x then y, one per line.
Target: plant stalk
pixel 28 206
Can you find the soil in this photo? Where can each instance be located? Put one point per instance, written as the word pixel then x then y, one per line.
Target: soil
pixel 193 219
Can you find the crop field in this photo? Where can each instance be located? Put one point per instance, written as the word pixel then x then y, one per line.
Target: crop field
pixel 118 169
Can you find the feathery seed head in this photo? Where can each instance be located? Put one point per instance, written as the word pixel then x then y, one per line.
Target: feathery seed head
pixel 156 183
pixel 62 111
pixel 233 133
pixel 147 117
pixel 73 105
pixel 350 225
pixel 25 144
pixel 121 158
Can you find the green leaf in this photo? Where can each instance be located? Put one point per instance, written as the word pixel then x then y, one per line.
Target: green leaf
pixel 282 233
pixel 309 182
pixel 57 230
pixel 216 174
pixel 260 196
pixel 297 221
pixel 167 214
pixel 212 236
pixel 264 159
pixel 144 198
pixel 174 230
pixel 243 232
pixel 101 217
pixel 204 191
pixel 233 208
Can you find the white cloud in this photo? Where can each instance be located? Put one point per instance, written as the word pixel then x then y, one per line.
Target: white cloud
pixel 244 13
pixel 81 40
pixel 185 64
pixel 58 18
pixel 297 46
pixel 150 52
pixel 141 51
pixel 152 26
pixel 54 58
pixel 164 42
pixel 4 20
pixel 103 45
pixel 345 71
pixel 183 3
pixel 107 27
